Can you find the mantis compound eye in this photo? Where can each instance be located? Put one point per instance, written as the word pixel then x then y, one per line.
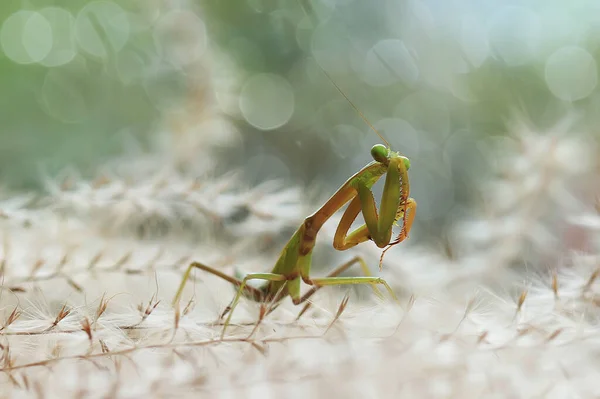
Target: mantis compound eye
pixel 406 163
pixel 379 152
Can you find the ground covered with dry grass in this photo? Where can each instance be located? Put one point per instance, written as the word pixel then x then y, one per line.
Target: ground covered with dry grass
pixel 507 308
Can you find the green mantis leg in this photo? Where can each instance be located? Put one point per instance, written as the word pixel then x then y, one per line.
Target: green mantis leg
pixel 380 226
pixel 340 269
pixel 377 227
pixel 409 217
pixel 238 283
pixel 236 299
pixel 319 282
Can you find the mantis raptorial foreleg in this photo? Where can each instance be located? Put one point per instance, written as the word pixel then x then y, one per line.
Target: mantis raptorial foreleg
pixel 409 217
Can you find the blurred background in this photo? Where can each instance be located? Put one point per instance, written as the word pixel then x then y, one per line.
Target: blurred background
pixel 239 83
pixel 137 136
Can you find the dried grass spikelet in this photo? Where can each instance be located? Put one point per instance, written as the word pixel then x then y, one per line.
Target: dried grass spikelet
pixel 168 203
pixel 533 197
pixel 433 349
pixel 63 256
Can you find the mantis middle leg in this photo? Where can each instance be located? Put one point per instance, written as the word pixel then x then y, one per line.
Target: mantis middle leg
pixel 340 269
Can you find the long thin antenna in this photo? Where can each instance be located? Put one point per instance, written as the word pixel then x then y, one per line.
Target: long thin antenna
pixel 364 118
pixel 309 11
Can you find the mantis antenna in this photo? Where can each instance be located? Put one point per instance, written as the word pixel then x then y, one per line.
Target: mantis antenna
pixel 364 118
pixel 308 10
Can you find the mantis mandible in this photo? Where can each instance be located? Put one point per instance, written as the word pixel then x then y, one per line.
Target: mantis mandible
pixel 294 263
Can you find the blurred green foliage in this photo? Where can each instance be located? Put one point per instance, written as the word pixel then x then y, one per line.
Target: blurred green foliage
pixel 73 114
pixel 439 79
pixel 443 81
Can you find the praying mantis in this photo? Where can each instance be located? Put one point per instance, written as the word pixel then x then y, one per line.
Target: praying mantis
pixel 294 262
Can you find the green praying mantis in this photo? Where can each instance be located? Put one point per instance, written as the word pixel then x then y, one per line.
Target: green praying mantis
pixel 294 263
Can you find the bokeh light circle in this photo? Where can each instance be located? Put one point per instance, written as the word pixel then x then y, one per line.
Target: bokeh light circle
pixel 102 27
pixel 389 62
pixel 261 6
pixel 345 140
pixel 433 188
pixel 180 37
pixel 425 111
pixel 63 42
pixel 130 67
pixel 571 73
pixel 247 53
pixel 400 134
pixel 267 101
pixel 63 98
pixel 26 37
pixel 515 34
pixel 37 37
pixel 473 40
pixel 164 87
pixel 330 47
pixel 266 166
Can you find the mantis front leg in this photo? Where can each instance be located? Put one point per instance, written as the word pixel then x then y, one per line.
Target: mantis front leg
pixel 394 204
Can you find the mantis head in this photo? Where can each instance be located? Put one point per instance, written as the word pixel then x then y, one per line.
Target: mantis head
pixel 381 153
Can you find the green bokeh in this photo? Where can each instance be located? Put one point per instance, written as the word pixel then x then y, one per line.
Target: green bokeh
pixel 464 74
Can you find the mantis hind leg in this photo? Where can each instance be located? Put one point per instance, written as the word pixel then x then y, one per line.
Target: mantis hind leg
pixel 197 265
pixel 340 269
